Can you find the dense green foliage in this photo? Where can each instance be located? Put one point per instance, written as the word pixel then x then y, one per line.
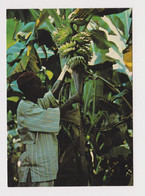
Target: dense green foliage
pixel 96 139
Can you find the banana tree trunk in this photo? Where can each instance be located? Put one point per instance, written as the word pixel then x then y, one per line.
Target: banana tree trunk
pixel 83 161
pixel 78 77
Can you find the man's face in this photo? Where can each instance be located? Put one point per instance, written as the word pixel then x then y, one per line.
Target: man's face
pixel 35 89
pixel 38 88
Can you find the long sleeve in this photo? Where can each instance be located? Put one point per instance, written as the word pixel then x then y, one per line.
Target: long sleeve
pixel 48 101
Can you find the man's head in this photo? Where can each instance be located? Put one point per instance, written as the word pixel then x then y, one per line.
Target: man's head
pixel 31 86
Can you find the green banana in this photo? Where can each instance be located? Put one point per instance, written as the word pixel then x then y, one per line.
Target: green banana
pixel 77 62
pixel 62 35
pixel 82 38
pixel 66 52
pixel 67 45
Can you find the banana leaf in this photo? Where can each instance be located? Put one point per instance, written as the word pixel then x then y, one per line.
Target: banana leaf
pixel 14 52
pixel 43 19
pixel 26 31
pixel 100 39
pixel 25 15
pixel 99 21
pixel 30 58
pixel 11 25
pixel 55 16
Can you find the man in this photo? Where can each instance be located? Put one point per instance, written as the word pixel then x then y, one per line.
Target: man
pixel 38 118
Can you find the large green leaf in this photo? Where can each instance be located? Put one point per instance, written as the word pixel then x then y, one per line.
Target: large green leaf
pixel 117 22
pixel 11 24
pixel 55 16
pixel 18 27
pixel 25 15
pixel 10 69
pixel 14 51
pixel 100 39
pixel 35 13
pixel 21 66
pixel 101 55
pixel 126 19
pixel 29 59
pixel 33 60
pixel 42 17
pixel 43 22
pixel 99 21
pixel 28 27
pixel 114 47
pixel 123 22
pixel 26 31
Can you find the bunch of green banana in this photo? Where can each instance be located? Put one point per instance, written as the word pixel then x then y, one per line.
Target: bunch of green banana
pixel 68 48
pixel 62 35
pixel 77 63
pixel 83 52
pixel 78 48
pixel 86 52
pixel 82 38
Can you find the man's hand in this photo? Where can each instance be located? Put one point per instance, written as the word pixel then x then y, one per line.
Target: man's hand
pixel 64 70
pixel 74 99
pixel 68 69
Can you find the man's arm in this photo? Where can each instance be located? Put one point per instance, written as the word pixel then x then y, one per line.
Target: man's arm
pixel 50 98
pixel 58 84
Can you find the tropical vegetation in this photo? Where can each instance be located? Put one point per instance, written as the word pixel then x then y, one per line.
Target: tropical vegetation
pixel 96 137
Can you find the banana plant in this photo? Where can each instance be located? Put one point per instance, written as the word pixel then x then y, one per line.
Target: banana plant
pixel 74 44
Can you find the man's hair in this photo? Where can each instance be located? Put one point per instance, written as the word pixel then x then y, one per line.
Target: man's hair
pixel 24 79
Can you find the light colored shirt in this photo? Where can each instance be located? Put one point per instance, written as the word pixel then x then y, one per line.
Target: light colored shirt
pixel 38 126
